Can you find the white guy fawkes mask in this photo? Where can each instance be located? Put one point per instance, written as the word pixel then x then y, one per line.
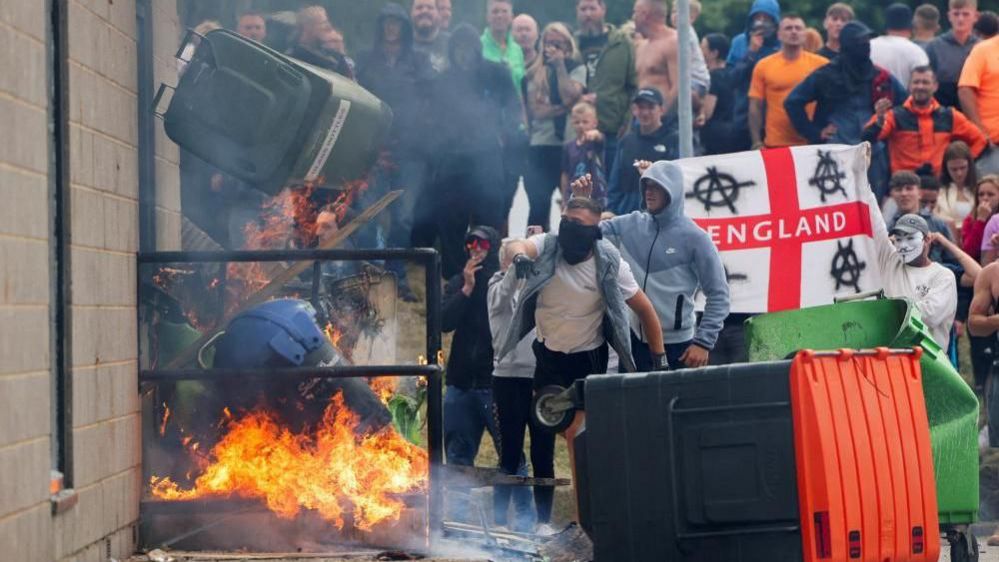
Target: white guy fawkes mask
pixel 909 245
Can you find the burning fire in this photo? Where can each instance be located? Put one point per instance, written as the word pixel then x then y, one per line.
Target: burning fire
pixel 166 418
pixel 289 219
pixel 331 470
pixel 384 387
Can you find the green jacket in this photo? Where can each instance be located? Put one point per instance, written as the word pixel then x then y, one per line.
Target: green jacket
pixel 513 58
pixel 615 81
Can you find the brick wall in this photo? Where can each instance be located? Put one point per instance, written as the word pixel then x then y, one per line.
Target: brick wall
pixel 25 520
pixel 104 208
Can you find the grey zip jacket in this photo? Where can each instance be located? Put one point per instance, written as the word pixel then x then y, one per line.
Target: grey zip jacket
pixel 671 258
pixel 504 290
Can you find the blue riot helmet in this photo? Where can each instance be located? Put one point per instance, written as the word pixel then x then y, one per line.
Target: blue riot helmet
pixel 278 333
pixel 284 333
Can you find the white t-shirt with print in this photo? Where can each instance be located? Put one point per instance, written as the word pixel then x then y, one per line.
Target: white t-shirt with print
pixel 570 309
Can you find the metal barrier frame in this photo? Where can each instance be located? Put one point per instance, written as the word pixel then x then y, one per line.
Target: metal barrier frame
pixel 429 259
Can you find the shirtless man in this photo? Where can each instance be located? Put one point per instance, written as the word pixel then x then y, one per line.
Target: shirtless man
pixel 656 56
pixel 983 321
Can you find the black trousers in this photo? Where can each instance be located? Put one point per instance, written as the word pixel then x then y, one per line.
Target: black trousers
pixel 982 355
pixel 731 345
pixel 561 369
pixel 543 174
pixel 512 400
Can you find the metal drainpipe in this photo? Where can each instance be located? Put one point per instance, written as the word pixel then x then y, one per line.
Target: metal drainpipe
pixel 683 95
pixel 60 290
pixel 147 126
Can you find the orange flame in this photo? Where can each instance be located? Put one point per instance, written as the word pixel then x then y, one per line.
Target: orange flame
pixel 166 418
pixel 333 335
pixel 333 470
pixel 384 387
pixel 288 220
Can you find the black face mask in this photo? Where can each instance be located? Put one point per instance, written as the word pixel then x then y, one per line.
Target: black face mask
pixel 859 50
pixel 576 240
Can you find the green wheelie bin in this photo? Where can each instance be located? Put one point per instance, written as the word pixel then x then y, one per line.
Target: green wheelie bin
pixel 951 404
pixel 271 120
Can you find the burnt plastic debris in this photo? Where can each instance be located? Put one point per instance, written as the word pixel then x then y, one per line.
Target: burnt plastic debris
pixel 271 120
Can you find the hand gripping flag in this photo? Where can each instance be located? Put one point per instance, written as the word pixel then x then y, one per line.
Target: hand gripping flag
pixel 792 224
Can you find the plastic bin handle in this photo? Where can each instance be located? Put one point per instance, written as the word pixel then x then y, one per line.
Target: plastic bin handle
pixel 159 98
pixel 877 295
pixel 202 362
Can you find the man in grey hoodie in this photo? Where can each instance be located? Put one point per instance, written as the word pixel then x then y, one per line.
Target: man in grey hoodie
pixel 672 258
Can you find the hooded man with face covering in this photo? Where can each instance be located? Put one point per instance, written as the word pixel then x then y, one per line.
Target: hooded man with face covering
pixel 475 112
pixel 845 92
pixel 673 258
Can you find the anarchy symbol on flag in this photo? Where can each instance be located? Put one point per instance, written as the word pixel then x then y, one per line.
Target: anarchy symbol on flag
pixel 795 243
pixel 828 178
pixel 717 189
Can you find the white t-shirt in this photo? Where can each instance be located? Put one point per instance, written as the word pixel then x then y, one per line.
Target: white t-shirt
pixel 570 309
pixel 932 288
pixel 898 55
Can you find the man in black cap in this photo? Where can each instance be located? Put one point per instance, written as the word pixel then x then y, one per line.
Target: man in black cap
pixel 468 409
pixel 895 51
pixel 654 139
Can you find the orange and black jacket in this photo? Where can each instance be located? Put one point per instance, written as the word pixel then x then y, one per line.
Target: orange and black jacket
pixel 918 136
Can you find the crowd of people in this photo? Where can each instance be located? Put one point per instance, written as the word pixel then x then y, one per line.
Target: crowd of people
pixel 589 113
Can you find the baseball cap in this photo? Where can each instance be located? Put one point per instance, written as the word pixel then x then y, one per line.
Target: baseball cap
pixel 911 224
pixel 898 16
pixel 650 95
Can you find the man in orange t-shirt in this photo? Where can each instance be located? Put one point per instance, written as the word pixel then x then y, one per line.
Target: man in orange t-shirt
pixel 978 87
pixel 773 79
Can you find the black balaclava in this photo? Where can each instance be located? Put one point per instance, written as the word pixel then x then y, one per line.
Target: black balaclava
pixel 855 52
pixel 577 240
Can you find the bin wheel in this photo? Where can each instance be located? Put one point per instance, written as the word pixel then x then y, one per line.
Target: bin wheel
pixel 963 546
pixel 552 410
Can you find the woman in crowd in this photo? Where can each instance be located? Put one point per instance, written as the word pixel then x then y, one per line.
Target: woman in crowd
pixel 986 202
pixel 554 83
pixel 957 180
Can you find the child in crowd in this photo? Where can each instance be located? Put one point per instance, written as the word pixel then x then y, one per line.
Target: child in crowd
pixel 585 154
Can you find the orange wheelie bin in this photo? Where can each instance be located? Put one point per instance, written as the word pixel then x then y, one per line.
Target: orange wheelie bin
pixel 866 487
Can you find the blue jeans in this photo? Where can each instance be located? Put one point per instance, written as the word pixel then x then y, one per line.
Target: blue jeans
pixel 643 355
pixel 467 415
